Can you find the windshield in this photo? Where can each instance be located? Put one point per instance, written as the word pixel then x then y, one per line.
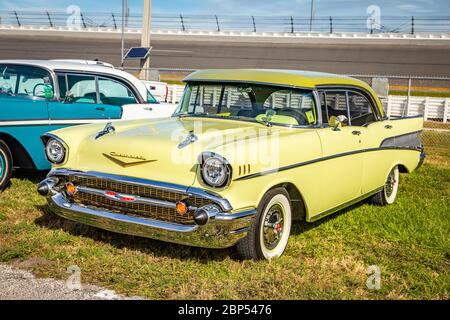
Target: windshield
pixel 259 103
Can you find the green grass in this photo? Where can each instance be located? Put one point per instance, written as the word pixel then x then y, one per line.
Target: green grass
pixel 409 241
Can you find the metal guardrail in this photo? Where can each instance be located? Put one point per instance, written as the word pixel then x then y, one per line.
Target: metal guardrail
pixel 218 23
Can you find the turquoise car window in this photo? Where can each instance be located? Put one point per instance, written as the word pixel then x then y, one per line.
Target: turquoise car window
pixel 253 102
pixel 83 88
pixel 151 98
pixel 23 80
pixel 114 93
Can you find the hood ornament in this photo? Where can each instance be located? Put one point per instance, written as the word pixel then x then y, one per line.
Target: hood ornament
pixel 109 128
pixel 191 138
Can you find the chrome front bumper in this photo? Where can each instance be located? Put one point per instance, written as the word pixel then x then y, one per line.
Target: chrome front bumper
pixel 223 228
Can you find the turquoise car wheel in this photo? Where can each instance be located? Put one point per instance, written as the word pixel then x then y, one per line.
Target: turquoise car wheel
pixel 5 165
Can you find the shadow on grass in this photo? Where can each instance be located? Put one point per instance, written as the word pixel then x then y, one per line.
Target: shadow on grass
pixel 31 175
pixel 159 248
pixel 120 241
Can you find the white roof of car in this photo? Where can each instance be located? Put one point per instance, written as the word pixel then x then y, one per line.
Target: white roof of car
pixel 82 66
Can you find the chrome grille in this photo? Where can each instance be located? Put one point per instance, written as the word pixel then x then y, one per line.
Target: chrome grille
pixel 130 208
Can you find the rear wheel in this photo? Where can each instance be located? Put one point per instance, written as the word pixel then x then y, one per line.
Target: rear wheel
pixel 388 195
pixel 269 235
pixel 5 165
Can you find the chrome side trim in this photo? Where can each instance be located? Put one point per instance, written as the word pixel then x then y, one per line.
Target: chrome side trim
pixel 189 191
pixel 345 154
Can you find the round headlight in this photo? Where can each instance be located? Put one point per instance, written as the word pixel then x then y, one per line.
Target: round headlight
pixel 55 150
pixel 216 172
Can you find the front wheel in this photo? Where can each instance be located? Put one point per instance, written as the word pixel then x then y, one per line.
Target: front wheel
pixel 5 165
pixel 269 235
pixel 388 195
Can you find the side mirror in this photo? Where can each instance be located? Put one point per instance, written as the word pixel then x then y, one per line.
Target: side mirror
pixel 48 92
pixel 337 122
pixel 68 98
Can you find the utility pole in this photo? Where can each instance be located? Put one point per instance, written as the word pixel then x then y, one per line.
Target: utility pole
pixel 145 40
pixel 122 51
pixel 311 19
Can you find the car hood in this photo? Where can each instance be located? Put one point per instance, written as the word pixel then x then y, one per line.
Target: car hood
pixel 161 150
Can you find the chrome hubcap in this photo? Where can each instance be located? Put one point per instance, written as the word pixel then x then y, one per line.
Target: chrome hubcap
pixel 390 184
pixel 273 226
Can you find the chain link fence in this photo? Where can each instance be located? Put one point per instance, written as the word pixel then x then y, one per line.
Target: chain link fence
pixel 425 96
pixel 75 17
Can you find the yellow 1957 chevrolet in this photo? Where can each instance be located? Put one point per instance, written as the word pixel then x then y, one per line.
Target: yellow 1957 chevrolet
pixel 246 153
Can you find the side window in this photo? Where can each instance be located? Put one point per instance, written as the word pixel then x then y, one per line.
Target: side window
pixel 83 88
pixel 361 112
pixel 335 104
pixel 8 80
pixel 115 93
pixel 293 106
pixel 62 85
pixel 23 80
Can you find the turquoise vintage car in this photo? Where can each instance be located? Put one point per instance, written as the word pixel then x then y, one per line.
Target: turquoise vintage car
pixel 41 96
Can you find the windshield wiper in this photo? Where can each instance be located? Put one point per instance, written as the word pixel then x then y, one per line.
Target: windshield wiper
pixel 185 115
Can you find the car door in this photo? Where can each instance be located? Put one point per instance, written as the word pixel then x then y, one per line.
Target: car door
pixel 342 159
pixel 23 107
pixel 78 101
pixel 114 94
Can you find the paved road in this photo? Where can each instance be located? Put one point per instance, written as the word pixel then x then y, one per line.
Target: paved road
pixel 181 52
pixel 16 284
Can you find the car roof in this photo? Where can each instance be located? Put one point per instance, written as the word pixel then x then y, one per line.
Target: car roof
pixel 290 78
pixel 81 66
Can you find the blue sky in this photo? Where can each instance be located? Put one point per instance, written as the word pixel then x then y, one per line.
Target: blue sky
pixel 248 7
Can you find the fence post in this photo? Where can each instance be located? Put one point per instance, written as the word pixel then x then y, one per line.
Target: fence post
pixel 49 20
pixel 217 22
pixel 389 106
pixel 425 109
pixel 331 24
pixel 408 99
pixel 114 21
pixel 183 27
pixel 254 24
pixel 82 20
pixel 17 19
pixel 446 106
pixel 412 25
pixel 292 24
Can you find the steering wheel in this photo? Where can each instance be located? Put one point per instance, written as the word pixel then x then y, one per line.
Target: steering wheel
pixel 298 115
pixel 35 87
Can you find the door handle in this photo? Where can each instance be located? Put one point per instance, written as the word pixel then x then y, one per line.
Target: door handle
pixel 356 133
pixel 100 109
pixel 388 126
pixel 148 108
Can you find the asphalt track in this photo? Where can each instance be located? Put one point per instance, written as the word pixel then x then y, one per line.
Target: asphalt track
pixel 382 58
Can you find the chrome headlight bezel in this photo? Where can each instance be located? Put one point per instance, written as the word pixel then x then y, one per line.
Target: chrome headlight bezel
pixel 55 142
pixel 210 159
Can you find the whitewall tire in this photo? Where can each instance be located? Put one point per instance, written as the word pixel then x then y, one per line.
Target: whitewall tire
pixel 389 193
pixel 270 232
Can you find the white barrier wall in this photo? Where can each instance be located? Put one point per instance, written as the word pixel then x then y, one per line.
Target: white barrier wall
pixel 436 109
